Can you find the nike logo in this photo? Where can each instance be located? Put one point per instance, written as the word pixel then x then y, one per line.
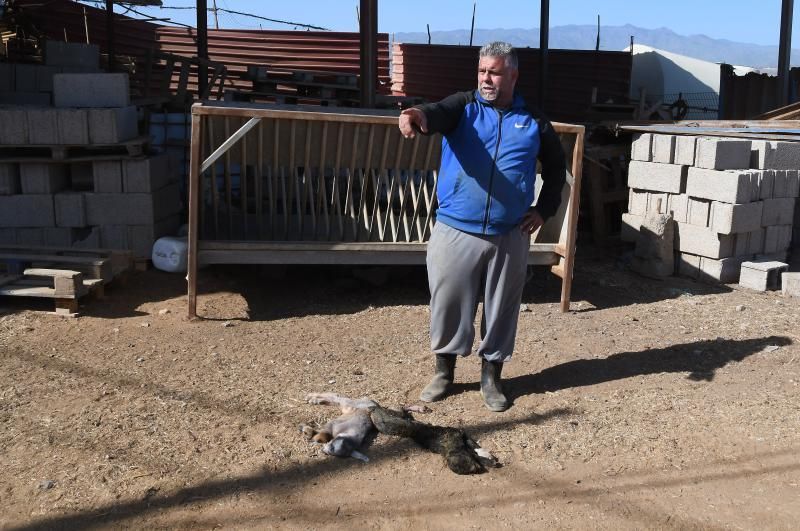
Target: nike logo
pixel 521 126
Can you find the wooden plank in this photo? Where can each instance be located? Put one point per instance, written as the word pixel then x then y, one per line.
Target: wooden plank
pixel 194 185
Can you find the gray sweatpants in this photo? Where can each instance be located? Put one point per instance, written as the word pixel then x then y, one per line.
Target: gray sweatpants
pixel 461 267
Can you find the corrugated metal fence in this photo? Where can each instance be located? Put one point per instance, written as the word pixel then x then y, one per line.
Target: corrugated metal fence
pixel 433 71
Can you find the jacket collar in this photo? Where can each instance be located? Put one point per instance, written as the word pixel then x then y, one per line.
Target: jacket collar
pixel 517 102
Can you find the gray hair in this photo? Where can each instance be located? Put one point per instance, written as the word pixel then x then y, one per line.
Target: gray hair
pixel 501 49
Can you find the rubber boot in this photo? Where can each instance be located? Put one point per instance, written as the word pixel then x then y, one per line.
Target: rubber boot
pixel 491 390
pixel 442 380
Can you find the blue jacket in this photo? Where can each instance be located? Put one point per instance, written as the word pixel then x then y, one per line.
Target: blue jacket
pixel 488 169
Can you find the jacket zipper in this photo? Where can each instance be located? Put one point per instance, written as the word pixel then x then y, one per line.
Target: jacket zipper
pixel 494 165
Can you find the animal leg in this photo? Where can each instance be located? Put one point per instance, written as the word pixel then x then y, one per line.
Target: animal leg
pixel 332 399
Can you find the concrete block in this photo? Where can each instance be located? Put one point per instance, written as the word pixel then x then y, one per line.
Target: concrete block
pixel 8 236
pixel 114 237
pixel 44 77
pixel 703 241
pixel 782 256
pixel 688 265
pixel 790 284
pixel 684 150
pixel 725 186
pixel 793 183
pixel 778 211
pixel 629 230
pixel 678 206
pixel 107 176
pixel 750 243
pixel 132 209
pixel 42 177
pixel 725 270
pixel 9 178
pixel 653 256
pixel 27 211
pixel 7 77
pixel 73 126
pixel 70 209
pixel 91 90
pixel 657 177
pixel 149 174
pixel 25 77
pixel 30 236
pixel 86 56
pixel 698 212
pixel 43 125
pixel 727 218
pixel 657 202
pixel 637 202
pixel 89 240
pixel 142 237
pixel 780 187
pixel 722 153
pixel 641 148
pixel 13 126
pixel 111 126
pixel 777 238
pixel 775 155
pixel 81 175
pixel 62 236
pixel 765 183
pixel 664 148
pixel 762 276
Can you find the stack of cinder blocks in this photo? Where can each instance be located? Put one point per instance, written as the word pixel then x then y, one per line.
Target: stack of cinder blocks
pixel 115 204
pixel 99 200
pixel 732 200
pixel 32 83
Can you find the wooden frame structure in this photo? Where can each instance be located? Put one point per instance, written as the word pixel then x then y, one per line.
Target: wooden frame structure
pixel 292 185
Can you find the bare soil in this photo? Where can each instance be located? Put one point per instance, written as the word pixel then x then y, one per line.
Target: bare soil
pixel 652 404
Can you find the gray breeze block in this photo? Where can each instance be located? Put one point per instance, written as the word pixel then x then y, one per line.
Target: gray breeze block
pixel 70 209
pixel 727 218
pixel 762 276
pixel 664 148
pixel 91 90
pixel 775 155
pixel 655 176
pixel 43 126
pixel 111 126
pixel 43 177
pixel 725 186
pixel 132 209
pixel 641 147
pixel 84 56
pixel 146 174
pixel 778 211
pixel 722 153
pixel 73 126
pixel 9 178
pixel 684 150
pixel 27 211
pixel 703 241
pixel 107 176
pixel 13 126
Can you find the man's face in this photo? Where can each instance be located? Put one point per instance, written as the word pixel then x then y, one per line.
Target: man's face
pixel 496 80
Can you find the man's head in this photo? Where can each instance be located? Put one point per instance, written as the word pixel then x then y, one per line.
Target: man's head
pixel 497 73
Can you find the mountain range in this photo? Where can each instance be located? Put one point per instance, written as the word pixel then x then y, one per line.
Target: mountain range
pixel 584 37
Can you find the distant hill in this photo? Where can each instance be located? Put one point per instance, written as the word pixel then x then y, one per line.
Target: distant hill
pixel 576 37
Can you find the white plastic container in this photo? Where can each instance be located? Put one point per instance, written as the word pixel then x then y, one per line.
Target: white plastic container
pixel 170 254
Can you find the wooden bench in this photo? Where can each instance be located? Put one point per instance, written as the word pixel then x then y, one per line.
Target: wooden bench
pixel 294 185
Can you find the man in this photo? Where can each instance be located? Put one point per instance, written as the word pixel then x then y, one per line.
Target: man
pixel 491 140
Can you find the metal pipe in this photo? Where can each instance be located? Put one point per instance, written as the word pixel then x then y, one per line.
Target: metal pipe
pixel 368 28
pixel 544 38
pixel 110 48
pixel 785 50
pixel 202 45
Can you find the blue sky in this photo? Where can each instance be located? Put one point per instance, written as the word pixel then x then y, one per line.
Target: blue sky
pixel 754 21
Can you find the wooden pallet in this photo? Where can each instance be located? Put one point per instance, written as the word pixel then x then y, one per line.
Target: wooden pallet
pixel 73 152
pixel 62 274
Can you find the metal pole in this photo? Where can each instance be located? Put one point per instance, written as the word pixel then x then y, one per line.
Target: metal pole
pixel 110 48
pixel 202 45
pixel 544 37
pixel 785 50
pixel 368 27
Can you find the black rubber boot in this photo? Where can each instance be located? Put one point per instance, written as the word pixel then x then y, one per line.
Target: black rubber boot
pixel 491 390
pixel 442 380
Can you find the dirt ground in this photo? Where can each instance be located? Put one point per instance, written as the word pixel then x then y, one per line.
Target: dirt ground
pixel 652 404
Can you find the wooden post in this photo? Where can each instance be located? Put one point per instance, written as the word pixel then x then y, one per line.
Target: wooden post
pixel 568 262
pixel 194 197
